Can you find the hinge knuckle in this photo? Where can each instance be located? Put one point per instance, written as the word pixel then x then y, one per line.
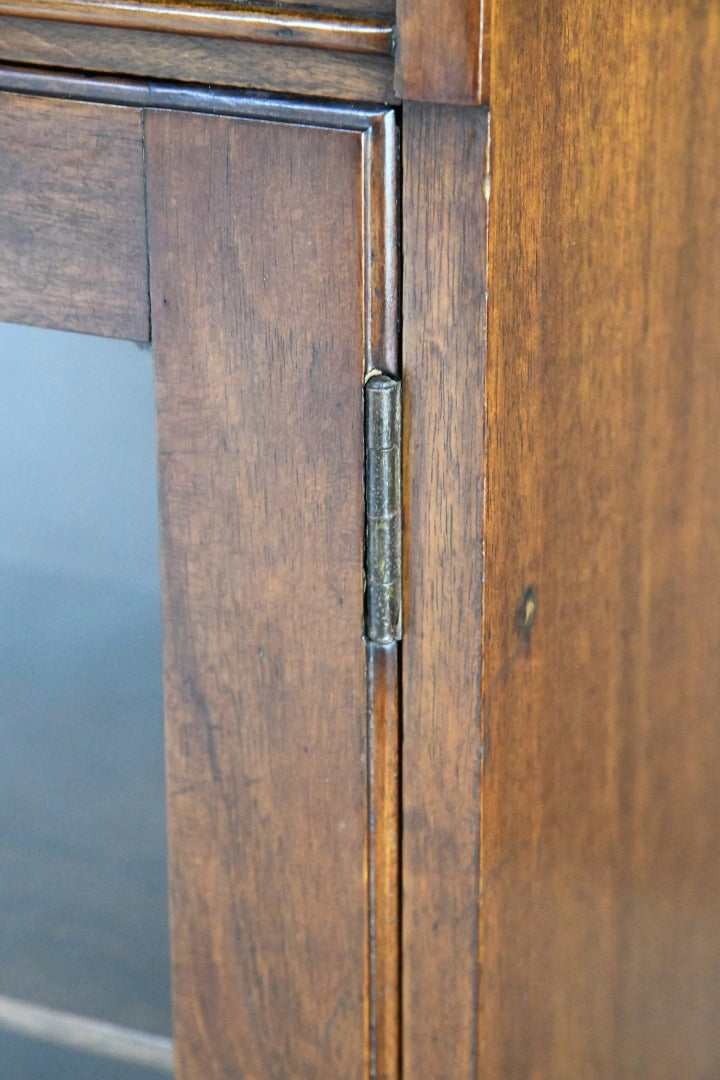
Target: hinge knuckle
pixel 383 509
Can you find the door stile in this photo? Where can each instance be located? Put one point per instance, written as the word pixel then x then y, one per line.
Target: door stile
pixel 285 957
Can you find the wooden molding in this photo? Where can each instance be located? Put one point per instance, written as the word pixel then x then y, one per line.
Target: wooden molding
pixel 263 25
pixel 383 734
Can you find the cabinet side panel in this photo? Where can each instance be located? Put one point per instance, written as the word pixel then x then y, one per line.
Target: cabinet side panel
pixel 601 807
pixel 443 371
pixel 72 217
pixel 256 272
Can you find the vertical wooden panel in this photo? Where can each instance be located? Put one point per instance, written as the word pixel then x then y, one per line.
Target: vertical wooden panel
pixel 443 369
pixel 601 840
pixel 257 277
pixel 443 51
pixel 72 217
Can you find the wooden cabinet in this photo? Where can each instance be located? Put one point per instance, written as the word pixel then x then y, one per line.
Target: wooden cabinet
pixel 492 849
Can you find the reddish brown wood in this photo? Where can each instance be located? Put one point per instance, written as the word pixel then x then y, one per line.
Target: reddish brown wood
pixel 72 220
pixel 444 167
pixel 384 806
pixel 601 876
pixel 266 24
pixel 257 283
pixel 443 51
pixel 204 60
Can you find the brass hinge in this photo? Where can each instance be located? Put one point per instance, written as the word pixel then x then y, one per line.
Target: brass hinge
pixel 383 509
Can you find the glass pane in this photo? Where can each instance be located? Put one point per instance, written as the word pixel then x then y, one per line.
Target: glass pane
pixel 26 1059
pixel 83 891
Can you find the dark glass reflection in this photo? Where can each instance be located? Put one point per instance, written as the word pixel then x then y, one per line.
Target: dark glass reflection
pixel 83 893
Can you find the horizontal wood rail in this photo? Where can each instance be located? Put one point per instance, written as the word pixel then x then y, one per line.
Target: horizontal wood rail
pixel 262 25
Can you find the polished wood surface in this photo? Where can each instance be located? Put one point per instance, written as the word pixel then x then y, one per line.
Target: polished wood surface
pixel 380 222
pixel 266 24
pixel 443 51
pixel 256 235
pixel 559 728
pixel 72 220
pixel 426 51
pixel 196 59
pixel 444 164
pixel 601 846
pixel 376 126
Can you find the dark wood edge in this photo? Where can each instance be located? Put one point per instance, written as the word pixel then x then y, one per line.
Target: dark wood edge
pixel 202 18
pixel 152 94
pixel 383 735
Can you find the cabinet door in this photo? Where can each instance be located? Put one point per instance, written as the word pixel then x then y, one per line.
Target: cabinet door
pixel 270 233
pixel 268 299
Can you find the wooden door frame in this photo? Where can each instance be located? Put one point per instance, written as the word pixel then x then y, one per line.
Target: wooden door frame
pixel 72 99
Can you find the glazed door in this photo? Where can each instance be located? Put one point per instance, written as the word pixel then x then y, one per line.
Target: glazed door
pixel 254 242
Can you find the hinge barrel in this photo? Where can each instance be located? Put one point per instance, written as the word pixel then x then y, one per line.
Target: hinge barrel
pixel 383 509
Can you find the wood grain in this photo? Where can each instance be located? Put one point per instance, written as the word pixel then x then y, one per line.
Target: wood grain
pixel 443 51
pixel 379 134
pixel 444 163
pixel 384 831
pixel 265 24
pixel 72 218
pixel 256 233
pixel 601 952
pixel 191 59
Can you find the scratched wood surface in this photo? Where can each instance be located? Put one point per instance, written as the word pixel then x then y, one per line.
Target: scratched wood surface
pixel 257 277
pixel 444 156
pixel 601 942
pixel 72 217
